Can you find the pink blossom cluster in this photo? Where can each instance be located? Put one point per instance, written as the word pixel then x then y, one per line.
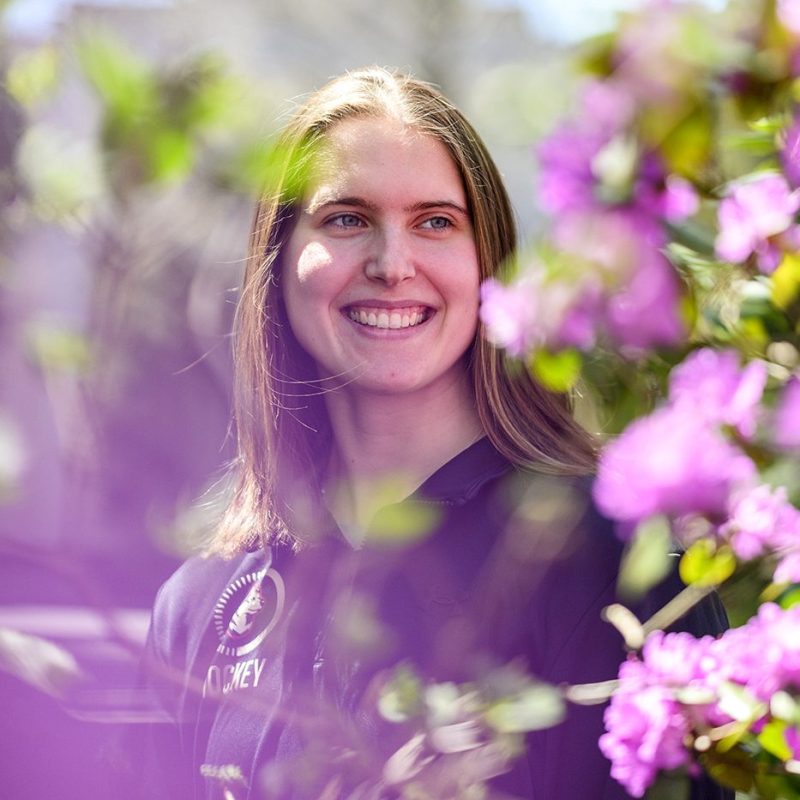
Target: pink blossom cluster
pixel 569 309
pixel 609 199
pixel 671 462
pixel 789 15
pixel 786 420
pixel 712 384
pixel 530 313
pixel 681 689
pixel 677 461
pixel 763 521
pixel 758 218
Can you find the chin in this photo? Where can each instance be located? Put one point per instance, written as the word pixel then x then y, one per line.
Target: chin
pixel 388 384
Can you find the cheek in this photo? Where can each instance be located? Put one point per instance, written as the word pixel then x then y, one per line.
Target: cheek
pixel 308 274
pixel 310 261
pixel 462 285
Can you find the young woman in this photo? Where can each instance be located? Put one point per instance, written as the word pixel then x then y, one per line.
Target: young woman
pixel 402 496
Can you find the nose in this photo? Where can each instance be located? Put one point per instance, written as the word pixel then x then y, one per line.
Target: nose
pixel 392 261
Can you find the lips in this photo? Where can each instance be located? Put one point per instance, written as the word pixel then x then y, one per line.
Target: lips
pixel 393 318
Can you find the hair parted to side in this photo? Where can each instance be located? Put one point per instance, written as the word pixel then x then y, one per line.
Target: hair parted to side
pixel 283 431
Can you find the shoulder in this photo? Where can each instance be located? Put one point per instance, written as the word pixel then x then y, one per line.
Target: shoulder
pixel 185 603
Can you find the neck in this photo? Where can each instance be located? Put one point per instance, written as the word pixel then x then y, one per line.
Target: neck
pixel 386 445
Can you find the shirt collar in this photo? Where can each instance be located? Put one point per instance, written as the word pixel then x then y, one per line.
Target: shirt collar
pixel 464 475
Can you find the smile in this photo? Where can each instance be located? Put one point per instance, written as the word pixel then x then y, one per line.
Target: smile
pixel 389 318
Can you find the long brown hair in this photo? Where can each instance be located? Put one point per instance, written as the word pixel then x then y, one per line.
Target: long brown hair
pixel 282 427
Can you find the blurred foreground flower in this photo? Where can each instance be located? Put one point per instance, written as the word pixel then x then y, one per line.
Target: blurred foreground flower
pixel 711 384
pixel 762 521
pixel 646 731
pixel 671 462
pixel 758 218
pixel 786 422
pixel 688 701
pixel 463 735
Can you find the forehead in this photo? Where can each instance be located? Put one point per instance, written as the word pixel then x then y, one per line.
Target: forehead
pixel 387 155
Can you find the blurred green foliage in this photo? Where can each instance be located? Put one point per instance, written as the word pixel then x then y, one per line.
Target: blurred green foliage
pixel 33 76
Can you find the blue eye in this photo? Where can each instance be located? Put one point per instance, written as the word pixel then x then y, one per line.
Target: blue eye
pixel 437 223
pixel 346 221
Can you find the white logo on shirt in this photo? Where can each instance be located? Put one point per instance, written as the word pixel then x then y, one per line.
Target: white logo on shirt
pixel 247 611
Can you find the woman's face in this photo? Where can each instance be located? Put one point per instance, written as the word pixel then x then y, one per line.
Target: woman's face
pixel 380 273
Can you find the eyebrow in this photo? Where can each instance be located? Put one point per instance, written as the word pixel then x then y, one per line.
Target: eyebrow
pixel 360 202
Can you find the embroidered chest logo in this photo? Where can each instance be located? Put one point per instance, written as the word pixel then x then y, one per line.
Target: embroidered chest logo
pixel 247 611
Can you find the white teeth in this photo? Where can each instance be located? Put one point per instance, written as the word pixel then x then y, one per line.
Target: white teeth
pixel 392 320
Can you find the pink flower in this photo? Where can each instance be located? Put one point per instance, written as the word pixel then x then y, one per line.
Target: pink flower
pixel 533 312
pixel 792 736
pixel 679 199
pixel 566 180
pixel 788 569
pixel 758 217
pixel 596 165
pixel 775 639
pixel 786 421
pixel 671 462
pixel 645 730
pixel 609 105
pixel 711 383
pixel 676 659
pixel 790 152
pixel 647 724
pixel 645 312
pixel 762 520
pixel 630 291
pixel 789 15
pixel 763 655
pixel 508 314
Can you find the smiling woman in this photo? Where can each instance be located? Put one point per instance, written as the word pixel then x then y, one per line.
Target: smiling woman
pixel 402 496
pixel 383 236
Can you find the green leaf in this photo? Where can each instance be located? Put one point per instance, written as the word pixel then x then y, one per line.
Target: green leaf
pixel 444 703
pixel 171 154
pixel 786 281
pixel 705 564
pixel 647 559
pixel 63 174
pixel 402 523
pixel 790 598
pixel 773 739
pixel 733 769
pixel 59 349
pixel 125 82
pixel 685 141
pixel 557 372
pixel 401 696
pixel 537 707
pixel 33 75
pixel 669 786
